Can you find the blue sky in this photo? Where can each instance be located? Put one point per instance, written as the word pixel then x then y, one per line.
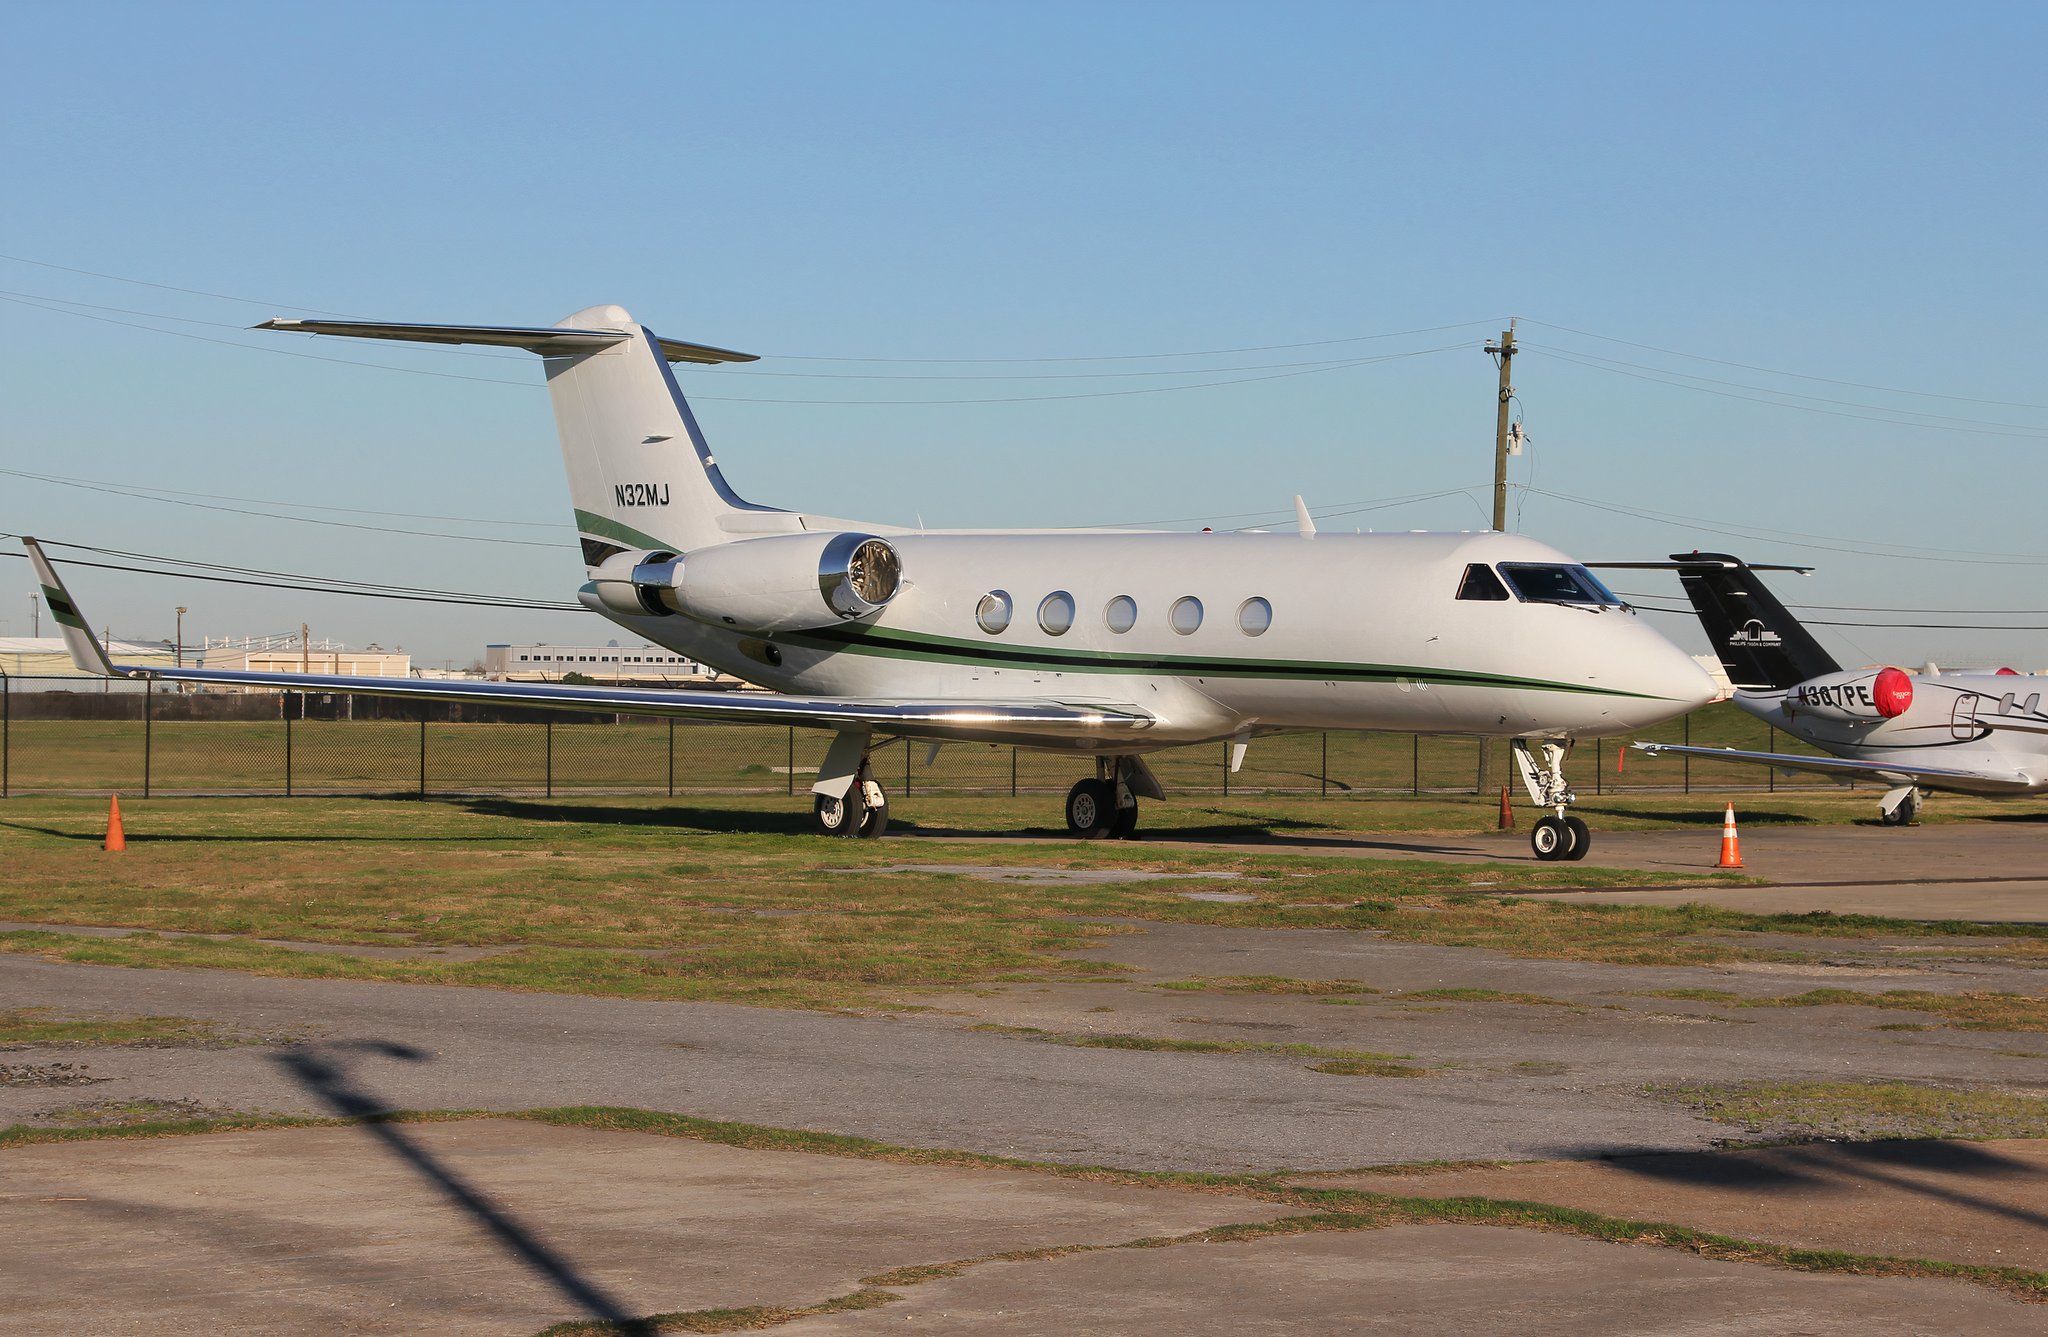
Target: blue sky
pixel 1853 193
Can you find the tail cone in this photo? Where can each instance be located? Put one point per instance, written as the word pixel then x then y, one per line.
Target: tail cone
pixel 116 840
pixel 1731 844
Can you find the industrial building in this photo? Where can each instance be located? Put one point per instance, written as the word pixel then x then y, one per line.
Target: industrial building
pixel 612 663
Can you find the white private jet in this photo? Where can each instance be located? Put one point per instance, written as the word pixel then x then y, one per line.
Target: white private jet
pixel 1106 645
pixel 1968 733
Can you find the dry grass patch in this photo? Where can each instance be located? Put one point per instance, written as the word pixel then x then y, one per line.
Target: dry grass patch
pixel 1866 1110
pixel 1362 1062
pixel 24 1026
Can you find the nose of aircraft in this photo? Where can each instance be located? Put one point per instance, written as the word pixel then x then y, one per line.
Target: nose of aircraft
pixel 1667 681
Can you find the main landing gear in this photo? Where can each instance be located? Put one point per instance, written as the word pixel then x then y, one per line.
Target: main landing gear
pixel 1560 835
pixel 862 812
pixel 1106 807
pixel 1899 806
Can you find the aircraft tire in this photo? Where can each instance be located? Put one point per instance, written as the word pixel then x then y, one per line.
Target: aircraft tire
pixel 838 817
pixel 1582 838
pixel 1551 840
pixel 1091 809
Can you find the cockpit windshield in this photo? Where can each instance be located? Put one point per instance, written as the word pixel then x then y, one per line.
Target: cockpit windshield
pixel 1542 583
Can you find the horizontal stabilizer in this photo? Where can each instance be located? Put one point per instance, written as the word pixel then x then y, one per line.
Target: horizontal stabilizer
pixel 547 340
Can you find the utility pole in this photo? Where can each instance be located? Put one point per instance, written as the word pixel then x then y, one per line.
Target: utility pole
pixel 35 615
pixel 305 648
pixel 182 610
pixel 1503 354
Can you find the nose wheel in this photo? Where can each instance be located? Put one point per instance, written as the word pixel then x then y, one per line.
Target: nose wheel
pixel 1559 836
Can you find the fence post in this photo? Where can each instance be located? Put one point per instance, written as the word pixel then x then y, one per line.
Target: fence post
pixel 148 716
pixel 423 749
pixel 1688 756
pixel 1013 772
pixel 906 765
pixel 1771 772
pixel 1226 770
pixel 1599 764
pixel 284 707
pixel 1415 764
pixel 6 729
pixel 671 758
pixel 548 765
pixel 790 770
pixel 1323 771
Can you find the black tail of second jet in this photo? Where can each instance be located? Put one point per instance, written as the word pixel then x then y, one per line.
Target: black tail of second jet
pixel 1762 646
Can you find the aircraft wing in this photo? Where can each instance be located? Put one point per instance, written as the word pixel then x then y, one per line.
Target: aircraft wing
pixel 1840 767
pixel 952 716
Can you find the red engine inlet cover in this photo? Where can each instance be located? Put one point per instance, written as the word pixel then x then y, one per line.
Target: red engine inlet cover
pixel 1892 692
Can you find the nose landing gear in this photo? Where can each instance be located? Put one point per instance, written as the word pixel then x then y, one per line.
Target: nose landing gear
pixel 1559 835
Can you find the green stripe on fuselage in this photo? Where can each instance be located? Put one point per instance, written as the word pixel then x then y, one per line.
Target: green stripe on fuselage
pixel 597 526
pixel 943 649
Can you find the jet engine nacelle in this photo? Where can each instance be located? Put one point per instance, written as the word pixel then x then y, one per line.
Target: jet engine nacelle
pixel 1860 695
pixel 786 582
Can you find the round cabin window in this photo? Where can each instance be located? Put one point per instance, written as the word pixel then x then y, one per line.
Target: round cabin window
pixel 1121 614
pixel 1056 614
pixel 1254 615
pixel 1186 616
pixel 992 614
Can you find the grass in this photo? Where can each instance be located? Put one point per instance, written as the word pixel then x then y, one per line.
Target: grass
pixel 1269 984
pixel 1865 1110
pixel 23 1026
pixel 1344 1062
pixel 1479 996
pixel 650 899
pixel 1318 1209
pixel 1969 1011
pixel 1958 1011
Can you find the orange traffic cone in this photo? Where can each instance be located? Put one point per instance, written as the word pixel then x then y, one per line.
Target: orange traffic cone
pixel 1731 845
pixel 116 840
pixel 1507 812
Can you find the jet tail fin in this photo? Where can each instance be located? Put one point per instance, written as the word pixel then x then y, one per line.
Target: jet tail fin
pixel 86 651
pixel 1762 645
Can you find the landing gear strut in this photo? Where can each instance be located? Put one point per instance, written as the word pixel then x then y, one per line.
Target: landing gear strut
pixel 1106 807
pixel 1899 806
pixel 1559 835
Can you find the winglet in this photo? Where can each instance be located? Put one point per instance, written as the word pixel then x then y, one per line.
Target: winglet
pixel 86 651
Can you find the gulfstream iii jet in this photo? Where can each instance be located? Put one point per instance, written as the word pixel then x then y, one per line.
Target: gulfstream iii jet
pixel 1969 733
pixel 1104 645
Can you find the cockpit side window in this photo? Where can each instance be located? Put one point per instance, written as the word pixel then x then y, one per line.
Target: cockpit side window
pixel 1482 585
pixel 1543 583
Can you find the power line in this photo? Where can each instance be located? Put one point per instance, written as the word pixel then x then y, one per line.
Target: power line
pixel 1138 357
pixel 146 494
pixel 1795 375
pixel 1756 534
pixel 116 491
pixel 1788 394
pixel 1670 378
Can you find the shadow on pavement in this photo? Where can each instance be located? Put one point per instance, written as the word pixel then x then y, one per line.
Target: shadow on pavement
pixel 1938 1170
pixel 320 1070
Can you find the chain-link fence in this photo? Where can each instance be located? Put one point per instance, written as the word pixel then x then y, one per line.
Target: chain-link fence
pixel 72 735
